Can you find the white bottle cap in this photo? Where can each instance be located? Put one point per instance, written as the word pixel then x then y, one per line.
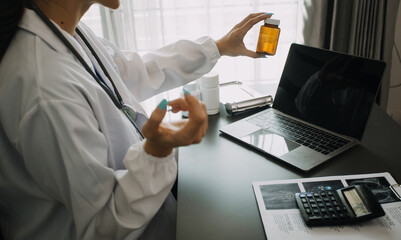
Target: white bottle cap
pixel 209 80
pixel 272 21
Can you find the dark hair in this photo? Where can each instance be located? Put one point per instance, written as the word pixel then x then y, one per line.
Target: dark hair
pixel 11 12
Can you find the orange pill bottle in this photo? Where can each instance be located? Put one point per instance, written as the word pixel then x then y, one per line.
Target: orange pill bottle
pixel 268 37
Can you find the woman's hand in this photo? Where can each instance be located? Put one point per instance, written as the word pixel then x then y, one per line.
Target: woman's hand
pixel 162 137
pixel 232 44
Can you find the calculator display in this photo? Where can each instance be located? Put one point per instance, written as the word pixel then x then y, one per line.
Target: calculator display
pixel 356 203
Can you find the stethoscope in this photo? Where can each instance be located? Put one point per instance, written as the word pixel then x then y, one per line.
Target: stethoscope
pixel 117 99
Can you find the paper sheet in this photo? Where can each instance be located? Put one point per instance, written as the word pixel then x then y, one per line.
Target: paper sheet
pixel 236 93
pixel 282 219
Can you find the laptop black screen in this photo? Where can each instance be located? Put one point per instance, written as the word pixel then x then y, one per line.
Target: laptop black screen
pixel 329 89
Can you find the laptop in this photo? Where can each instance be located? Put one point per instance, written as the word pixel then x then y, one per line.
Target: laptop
pixel 320 109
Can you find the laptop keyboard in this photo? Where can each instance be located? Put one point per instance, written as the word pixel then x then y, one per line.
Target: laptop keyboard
pixel 298 132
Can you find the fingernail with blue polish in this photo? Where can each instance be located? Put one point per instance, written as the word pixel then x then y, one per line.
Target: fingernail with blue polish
pixel 186 92
pixel 269 13
pixel 163 105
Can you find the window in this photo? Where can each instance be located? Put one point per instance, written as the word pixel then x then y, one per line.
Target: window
pixel 92 18
pixel 143 25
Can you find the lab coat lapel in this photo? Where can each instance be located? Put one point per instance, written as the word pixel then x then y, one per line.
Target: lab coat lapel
pixel 108 61
pixel 32 23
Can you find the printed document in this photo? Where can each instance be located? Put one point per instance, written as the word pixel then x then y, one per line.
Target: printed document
pixel 282 219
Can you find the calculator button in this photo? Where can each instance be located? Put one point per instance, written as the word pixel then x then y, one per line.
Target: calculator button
pixel 330 209
pixel 323 210
pixel 321 205
pixel 316 195
pixel 314 205
pixel 335 203
pixel 325 199
pixel 309 195
pixel 302 195
pixel 338 209
pixel 306 205
pixel 304 200
pixel 308 211
pixel 332 198
pixel 311 200
pixel 326 217
pixel 315 217
pixel 328 204
pixel 330 193
pixel 315 210
pixel 333 215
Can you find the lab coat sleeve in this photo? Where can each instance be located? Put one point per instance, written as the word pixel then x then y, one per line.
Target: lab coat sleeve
pixel 171 66
pixel 65 153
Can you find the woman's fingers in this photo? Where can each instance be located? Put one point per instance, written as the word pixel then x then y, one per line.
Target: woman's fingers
pixel 245 20
pixel 251 54
pixel 179 104
pixel 194 128
pixel 203 128
pixel 151 126
pixel 196 111
pixel 252 21
pixel 197 119
pixel 161 136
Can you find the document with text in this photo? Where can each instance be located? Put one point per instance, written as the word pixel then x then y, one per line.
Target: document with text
pixel 282 219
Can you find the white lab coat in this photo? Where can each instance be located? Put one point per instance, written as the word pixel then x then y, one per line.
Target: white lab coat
pixel 62 140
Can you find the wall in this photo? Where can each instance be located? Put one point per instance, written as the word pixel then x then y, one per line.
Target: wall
pixel 394 100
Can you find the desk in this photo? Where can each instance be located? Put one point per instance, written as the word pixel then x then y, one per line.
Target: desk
pixel 215 195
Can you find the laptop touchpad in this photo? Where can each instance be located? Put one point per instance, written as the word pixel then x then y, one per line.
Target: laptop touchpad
pixel 270 142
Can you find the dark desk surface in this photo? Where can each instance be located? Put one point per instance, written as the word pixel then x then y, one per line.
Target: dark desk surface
pixel 215 195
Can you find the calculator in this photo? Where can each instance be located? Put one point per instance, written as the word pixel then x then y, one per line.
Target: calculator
pixel 337 207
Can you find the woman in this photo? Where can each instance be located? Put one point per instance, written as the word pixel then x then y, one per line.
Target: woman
pixel 74 161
